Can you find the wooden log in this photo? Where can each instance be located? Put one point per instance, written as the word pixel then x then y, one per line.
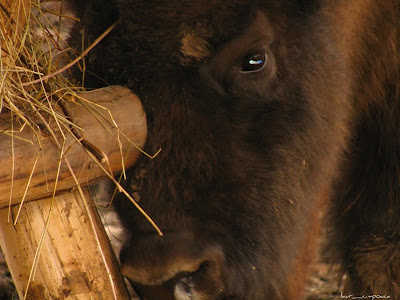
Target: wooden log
pixel 128 114
pixel 76 260
pixel 70 264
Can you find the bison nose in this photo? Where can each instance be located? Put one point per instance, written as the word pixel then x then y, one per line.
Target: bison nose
pixel 174 266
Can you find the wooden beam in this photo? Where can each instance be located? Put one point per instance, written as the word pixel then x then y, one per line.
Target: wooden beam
pixel 127 113
pixel 75 258
pixel 71 265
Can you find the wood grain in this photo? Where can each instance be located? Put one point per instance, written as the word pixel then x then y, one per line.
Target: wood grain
pixel 126 111
pixel 70 265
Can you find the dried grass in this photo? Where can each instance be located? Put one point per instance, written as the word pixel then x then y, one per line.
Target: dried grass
pixel 32 81
pixel 33 61
pixel 31 53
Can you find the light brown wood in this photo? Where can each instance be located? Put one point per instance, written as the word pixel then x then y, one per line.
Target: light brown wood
pixel 128 114
pixel 76 260
pixel 70 265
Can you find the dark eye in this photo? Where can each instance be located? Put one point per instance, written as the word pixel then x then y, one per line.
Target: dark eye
pixel 254 62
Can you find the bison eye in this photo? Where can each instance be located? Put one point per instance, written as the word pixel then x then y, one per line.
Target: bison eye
pixel 254 62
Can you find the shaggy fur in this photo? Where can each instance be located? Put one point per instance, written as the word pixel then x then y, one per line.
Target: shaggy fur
pixel 250 159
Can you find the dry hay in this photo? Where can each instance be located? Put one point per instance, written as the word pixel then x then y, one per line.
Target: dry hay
pixel 33 82
pixel 31 49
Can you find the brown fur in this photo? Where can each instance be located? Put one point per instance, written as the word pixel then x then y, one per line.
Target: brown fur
pixel 249 158
pixel 366 231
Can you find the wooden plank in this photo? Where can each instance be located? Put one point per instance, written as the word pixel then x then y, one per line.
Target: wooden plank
pixel 70 264
pixel 76 260
pixel 128 114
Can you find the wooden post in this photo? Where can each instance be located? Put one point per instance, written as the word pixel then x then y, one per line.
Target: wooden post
pixel 64 233
pixel 71 264
pixel 76 260
pixel 113 141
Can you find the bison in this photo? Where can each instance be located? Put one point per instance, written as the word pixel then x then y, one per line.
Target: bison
pixel 268 113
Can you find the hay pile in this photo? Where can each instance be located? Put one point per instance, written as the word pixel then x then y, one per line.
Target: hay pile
pixel 33 87
pixel 33 48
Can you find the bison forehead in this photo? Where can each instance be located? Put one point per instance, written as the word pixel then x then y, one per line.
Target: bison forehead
pixel 184 31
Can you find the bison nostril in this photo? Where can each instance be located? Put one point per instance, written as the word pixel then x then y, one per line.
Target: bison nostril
pixel 184 269
pixel 184 289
